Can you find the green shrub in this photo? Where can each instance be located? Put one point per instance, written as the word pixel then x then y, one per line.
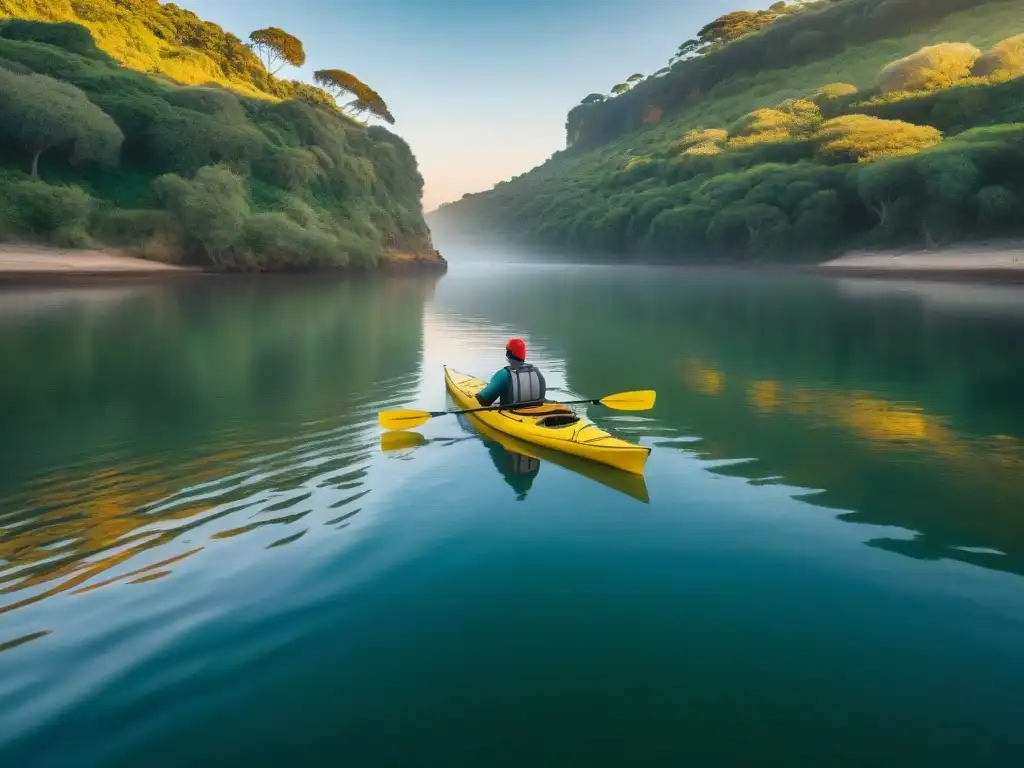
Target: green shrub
pixel 211 209
pixel 216 102
pixel 769 228
pixel 184 143
pixel 300 212
pixel 681 229
pixel 71 37
pixel 728 230
pixel 116 226
pixel 276 242
pixel 40 112
pixel 819 222
pixel 998 207
pixel 48 212
pixel 359 251
pixel 289 168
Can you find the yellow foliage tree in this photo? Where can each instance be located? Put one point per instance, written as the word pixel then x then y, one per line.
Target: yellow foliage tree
pixel 861 138
pixel 1004 62
pixel 703 149
pixel 636 162
pixel 832 92
pixel 794 118
pixel 931 68
pixel 700 137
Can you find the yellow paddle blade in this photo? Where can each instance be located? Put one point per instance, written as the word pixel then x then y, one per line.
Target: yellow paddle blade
pixel 640 400
pixel 402 419
pixel 398 441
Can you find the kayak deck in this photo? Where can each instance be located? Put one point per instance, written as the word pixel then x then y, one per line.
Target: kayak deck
pixel 551 425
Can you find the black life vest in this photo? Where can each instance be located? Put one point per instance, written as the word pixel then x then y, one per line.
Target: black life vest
pixel 528 386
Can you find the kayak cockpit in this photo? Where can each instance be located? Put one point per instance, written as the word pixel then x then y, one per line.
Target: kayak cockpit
pixel 550 415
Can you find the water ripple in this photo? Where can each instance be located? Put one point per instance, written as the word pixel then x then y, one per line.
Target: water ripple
pixel 63 531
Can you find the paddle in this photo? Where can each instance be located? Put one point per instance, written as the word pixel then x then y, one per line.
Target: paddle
pixel 640 400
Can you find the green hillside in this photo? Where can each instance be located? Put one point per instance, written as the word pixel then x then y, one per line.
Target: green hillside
pixel 203 157
pixel 826 128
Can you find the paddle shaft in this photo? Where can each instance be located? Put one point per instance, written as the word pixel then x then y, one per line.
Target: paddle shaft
pixel 641 400
pixel 511 407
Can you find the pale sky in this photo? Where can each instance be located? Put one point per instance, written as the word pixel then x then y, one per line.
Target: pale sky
pixel 479 88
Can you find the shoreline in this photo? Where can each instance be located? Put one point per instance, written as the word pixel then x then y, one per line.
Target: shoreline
pixel 22 264
pixel 988 262
pixel 1001 262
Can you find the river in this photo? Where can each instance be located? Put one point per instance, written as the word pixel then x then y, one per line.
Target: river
pixel 207 558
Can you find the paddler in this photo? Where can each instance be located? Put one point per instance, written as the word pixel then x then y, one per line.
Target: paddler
pixel 518 383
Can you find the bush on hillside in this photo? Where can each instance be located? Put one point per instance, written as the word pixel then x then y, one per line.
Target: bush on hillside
pixel 700 137
pixel 38 211
pixel 289 168
pixel 956 109
pixel 210 208
pixel 1004 61
pixel 71 37
pixel 831 93
pixel 41 113
pixel 214 101
pixel 931 68
pixel 703 149
pixel 860 138
pixel 275 242
pixel 998 208
pixel 792 119
pixel 133 228
pixel 184 143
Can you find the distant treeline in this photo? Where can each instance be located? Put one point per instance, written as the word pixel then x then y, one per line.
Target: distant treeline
pixel 931 153
pixel 823 29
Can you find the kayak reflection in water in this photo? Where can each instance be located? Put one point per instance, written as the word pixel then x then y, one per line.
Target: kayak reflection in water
pixel 518 470
pixel 518 383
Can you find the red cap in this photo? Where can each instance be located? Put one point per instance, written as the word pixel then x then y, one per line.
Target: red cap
pixel 516 348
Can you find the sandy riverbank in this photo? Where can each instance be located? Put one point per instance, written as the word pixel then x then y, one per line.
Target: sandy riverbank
pixel 25 262
pixel 41 264
pixel 1003 261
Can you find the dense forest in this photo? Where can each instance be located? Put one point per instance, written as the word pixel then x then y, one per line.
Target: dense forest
pixel 136 125
pixel 792 133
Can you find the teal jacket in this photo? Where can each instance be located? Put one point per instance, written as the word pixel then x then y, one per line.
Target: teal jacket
pixel 499 388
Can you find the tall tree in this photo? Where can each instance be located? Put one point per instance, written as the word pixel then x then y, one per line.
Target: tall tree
pixel 357 107
pixel 40 113
pixel 620 88
pixel 593 98
pixel 275 45
pixel 338 82
pixel 686 50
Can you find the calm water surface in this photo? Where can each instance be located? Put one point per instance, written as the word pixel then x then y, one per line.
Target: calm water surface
pixel 207 558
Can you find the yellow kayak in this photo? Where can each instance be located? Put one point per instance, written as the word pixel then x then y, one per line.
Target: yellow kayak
pixel 624 482
pixel 550 425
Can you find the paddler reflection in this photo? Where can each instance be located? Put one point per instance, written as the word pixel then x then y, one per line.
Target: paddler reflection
pixel 518 469
pixel 518 462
